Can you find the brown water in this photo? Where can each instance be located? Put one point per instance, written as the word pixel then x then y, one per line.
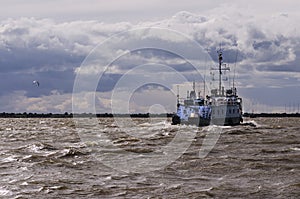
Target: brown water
pixel 49 158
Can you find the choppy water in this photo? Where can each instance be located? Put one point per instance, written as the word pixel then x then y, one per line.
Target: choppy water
pixel 47 158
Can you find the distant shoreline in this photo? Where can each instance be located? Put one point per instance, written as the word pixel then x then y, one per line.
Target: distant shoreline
pixel 253 115
pixel 135 115
pixel 78 115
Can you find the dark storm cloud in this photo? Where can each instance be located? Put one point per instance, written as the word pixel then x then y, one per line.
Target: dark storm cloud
pixel 51 51
pixel 29 44
pixel 157 56
pixel 28 60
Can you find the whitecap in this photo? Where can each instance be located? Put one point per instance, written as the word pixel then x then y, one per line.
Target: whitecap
pixel 9 159
pixel 295 149
pixel 251 123
pixel 24 184
pixel 5 192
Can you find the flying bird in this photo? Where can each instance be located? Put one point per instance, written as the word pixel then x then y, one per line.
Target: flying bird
pixel 35 82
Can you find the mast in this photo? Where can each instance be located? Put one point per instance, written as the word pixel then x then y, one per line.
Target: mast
pixel 204 81
pixel 220 69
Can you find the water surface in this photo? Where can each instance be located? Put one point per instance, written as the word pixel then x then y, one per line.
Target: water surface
pixel 47 158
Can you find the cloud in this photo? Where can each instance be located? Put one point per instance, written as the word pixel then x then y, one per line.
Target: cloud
pixel 57 102
pixel 108 11
pixel 19 102
pixel 52 51
pixel 41 43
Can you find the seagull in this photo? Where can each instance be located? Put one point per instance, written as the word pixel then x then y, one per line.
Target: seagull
pixel 36 83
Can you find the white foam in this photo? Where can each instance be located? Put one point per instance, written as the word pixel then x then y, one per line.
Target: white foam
pixel 5 192
pixel 295 149
pixel 9 159
pixel 252 122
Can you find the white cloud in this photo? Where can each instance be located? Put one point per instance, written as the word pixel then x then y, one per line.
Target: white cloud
pixel 267 43
pixel 56 102
pixel 262 41
pixel 19 102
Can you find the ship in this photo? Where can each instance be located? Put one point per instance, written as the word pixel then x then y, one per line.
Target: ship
pixel 221 107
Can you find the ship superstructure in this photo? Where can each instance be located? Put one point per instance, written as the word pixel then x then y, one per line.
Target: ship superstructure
pixel 192 110
pixel 221 107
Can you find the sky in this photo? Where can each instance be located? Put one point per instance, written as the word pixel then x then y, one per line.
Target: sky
pixel 147 47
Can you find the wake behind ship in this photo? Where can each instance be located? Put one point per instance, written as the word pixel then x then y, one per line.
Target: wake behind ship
pixel 221 107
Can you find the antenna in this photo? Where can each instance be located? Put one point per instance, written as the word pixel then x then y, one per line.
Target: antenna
pixel 193 85
pixel 177 93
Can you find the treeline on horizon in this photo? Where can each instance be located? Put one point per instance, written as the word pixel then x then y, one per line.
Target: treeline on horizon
pixel 70 115
pixel 253 115
pixel 135 115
